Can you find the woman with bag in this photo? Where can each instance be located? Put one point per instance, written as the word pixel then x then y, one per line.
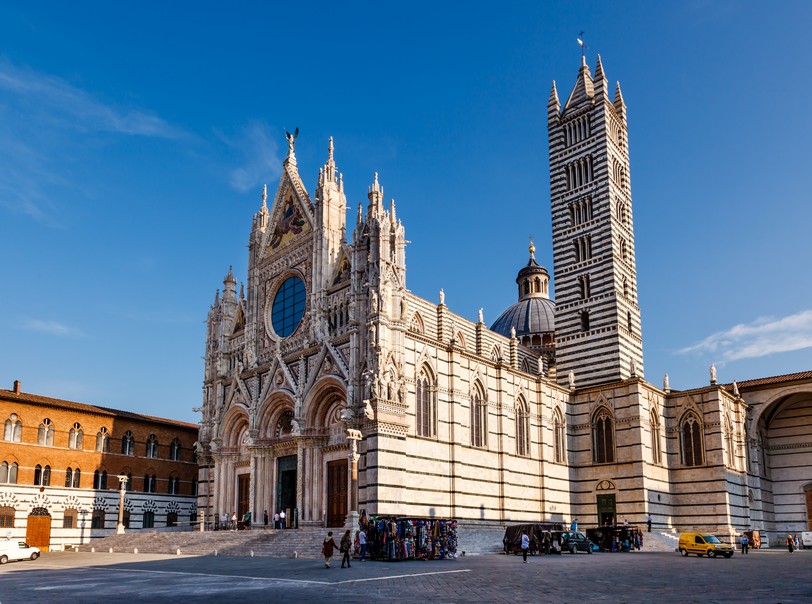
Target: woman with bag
pixel 346 543
pixel 327 549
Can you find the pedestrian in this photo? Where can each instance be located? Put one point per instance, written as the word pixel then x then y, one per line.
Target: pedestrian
pixel 790 543
pixel 574 525
pixel 545 542
pixel 233 521
pixel 224 521
pixel 282 519
pixel 276 520
pixel 327 549
pixel 797 542
pixel 745 543
pixel 362 541
pixel 246 520
pixel 344 548
pixel 265 518
pixel 525 545
pixel 648 522
pixel 625 522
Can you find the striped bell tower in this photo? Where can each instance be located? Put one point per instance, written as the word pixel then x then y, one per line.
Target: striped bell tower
pixel 598 331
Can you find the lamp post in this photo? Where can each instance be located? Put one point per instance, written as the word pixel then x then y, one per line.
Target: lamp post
pixel 122 479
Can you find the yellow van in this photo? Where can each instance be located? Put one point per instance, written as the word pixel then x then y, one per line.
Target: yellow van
pixel 703 544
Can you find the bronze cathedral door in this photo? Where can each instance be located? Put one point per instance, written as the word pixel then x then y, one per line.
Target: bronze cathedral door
pixel 243 495
pixel 336 493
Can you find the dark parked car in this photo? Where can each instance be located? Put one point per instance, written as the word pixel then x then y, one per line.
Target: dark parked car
pixel 573 542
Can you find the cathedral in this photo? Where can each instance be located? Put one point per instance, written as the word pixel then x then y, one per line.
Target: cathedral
pixel 331 388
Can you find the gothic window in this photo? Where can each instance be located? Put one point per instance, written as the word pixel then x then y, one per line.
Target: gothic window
pixel 603 437
pixel 129 484
pixel 174 485
pixel 102 440
pixel 584 320
pixel 624 255
pixel 76 478
pixel 149 483
pixel 42 476
pixel 8 473
pixel 522 429
pixel 70 518
pixel 69 477
pixel 13 429
pixel 288 306
pixel 479 424
pixel 584 287
pixel 691 440
pixel 100 480
pixel 128 444
pixel 75 436
pixel 558 437
pixel 174 450
pixel 425 408
pixel 416 326
pixel 629 320
pixel 656 451
pixel 625 287
pixel 152 446
pixel 6 517
pixel 730 442
pixel 45 434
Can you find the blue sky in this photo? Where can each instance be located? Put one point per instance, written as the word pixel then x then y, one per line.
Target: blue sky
pixel 135 140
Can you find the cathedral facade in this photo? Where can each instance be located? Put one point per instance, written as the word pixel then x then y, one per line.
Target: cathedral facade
pixel 331 388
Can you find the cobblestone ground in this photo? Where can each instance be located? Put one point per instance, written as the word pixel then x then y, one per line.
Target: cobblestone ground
pixel 762 576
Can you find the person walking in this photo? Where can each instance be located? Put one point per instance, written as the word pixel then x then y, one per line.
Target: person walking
pixel 233 521
pixel 327 549
pixel 344 548
pixel 648 522
pixel 362 541
pixel 790 543
pixel 525 545
pixel 745 543
pixel 797 542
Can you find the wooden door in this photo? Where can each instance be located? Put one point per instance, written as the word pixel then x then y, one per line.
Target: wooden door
pixel 607 510
pixel 337 493
pixel 38 531
pixel 243 495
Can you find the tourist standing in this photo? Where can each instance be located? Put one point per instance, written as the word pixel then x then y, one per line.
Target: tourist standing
pixel 525 545
pixel 276 520
pixel 362 541
pixel 790 543
pixel 745 543
pixel 282 519
pixel 233 521
pixel 344 548
pixel 648 522
pixel 327 549
pixel 797 542
pixel 265 518
pixel 574 525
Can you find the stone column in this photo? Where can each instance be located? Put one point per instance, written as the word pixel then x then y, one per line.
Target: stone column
pixel 353 436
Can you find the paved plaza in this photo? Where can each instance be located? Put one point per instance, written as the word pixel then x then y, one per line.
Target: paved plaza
pixel 762 576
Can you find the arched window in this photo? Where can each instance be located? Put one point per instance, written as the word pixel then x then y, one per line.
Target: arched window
pixel 558 437
pixel 42 476
pixel 45 435
pixel 425 410
pixel 656 451
pixel 174 450
pixel 128 444
pixel 629 321
pixel 173 485
pixel 76 478
pixel 479 419
pixel 152 446
pixel 730 441
pixel 129 485
pixel 13 429
pixel 522 429
pixel 6 517
pixel 603 437
pixel 149 483
pixel 100 480
pixel 149 520
pixel 75 437
pixel 8 473
pixel 691 441
pixel 69 477
pixel 102 440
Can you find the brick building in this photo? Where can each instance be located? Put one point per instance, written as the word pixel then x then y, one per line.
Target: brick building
pixel 60 463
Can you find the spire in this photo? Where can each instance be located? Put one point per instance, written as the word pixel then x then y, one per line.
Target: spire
pixel 375 196
pixel 392 216
pixel 619 103
pixel 264 208
pixel 584 90
pixel 554 102
pixel 230 278
pixel 599 81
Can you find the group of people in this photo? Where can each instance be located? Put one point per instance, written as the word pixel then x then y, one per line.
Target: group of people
pixel 793 543
pixel 345 546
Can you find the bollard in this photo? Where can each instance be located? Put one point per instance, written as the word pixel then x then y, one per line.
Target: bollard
pixel 215 552
pixel 111 550
pixel 252 553
pixel 92 550
pixel 178 552
pixel 135 551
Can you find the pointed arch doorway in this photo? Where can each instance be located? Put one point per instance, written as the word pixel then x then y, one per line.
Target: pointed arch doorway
pixel 337 492
pixel 286 486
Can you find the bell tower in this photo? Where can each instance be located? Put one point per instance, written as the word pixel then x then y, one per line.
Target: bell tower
pixel 598 329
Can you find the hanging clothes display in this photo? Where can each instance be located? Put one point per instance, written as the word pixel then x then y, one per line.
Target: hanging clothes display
pixel 397 538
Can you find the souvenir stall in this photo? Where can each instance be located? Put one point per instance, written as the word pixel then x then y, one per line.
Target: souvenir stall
pixel 397 538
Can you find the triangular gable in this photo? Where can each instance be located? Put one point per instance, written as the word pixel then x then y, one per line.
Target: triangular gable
pixel 343 269
pixel 239 321
pixel 291 215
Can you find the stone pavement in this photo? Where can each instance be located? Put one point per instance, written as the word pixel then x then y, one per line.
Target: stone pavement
pixel 762 576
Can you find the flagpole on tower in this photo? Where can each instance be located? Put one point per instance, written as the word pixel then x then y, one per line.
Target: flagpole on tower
pixel 582 44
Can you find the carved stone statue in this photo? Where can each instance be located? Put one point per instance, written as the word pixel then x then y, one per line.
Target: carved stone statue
pixel 512 332
pixel 736 389
pixel 480 316
pixel 666 387
pixel 369 413
pixel 402 390
pixel 632 368
pixel 404 308
pixel 295 430
pixel 346 414
pixel 373 302
pixel 442 296
pixel 712 373
pixel 291 139
pixel 541 365
pixel 572 380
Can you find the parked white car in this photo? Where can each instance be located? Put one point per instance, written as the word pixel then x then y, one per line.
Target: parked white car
pixel 806 539
pixel 17 550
